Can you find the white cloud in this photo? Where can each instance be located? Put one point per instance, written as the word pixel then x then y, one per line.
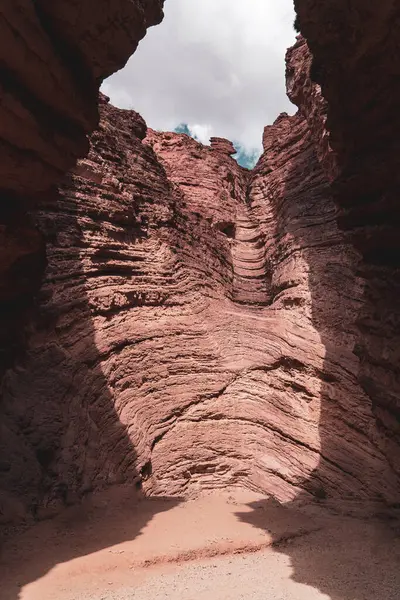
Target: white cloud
pixel 217 65
pixel 201 132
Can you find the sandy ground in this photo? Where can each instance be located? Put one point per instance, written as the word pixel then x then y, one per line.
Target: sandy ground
pixel 224 546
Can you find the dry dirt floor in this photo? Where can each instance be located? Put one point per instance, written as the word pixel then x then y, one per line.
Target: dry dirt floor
pixel 222 546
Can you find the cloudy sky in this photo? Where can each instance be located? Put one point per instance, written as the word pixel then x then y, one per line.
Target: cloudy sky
pixel 215 65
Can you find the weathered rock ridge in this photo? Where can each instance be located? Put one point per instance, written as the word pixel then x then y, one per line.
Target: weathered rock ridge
pixel 199 325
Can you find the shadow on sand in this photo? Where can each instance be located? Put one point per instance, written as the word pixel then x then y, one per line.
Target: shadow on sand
pixel 101 521
pixel 344 558
pixel 65 421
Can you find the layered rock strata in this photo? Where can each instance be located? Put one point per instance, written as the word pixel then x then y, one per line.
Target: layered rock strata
pixel 54 57
pixel 191 331
pixel 351 116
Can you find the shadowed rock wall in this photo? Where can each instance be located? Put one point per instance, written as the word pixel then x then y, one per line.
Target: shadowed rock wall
pixel 54 56
pixel 53 59
pixel 348 90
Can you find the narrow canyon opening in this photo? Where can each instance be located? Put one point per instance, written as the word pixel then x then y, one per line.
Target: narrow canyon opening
pixel 198 360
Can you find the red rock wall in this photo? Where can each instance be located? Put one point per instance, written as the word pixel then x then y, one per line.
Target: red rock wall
pixel 354 68
pixel 54 57
pixel 191 331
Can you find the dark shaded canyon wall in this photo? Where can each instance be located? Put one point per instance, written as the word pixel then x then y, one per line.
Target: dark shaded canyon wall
pixel 356 64
pixel 54 56
pixel 355 67
pixel 198 325
pixel 53 59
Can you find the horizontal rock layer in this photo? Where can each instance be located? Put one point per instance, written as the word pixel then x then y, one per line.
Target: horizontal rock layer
pixel 222 145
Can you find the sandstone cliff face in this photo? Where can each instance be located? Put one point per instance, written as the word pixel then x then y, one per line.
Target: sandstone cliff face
pixel 54 57
pixel 348 92
pixel 191 331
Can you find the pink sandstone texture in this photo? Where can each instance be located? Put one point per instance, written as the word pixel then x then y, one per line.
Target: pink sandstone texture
pixel 54 57
pixel 191 331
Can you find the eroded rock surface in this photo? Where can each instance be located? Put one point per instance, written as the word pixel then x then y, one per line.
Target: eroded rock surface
pixel 54 57
pixel 348 91
pixel 191 331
